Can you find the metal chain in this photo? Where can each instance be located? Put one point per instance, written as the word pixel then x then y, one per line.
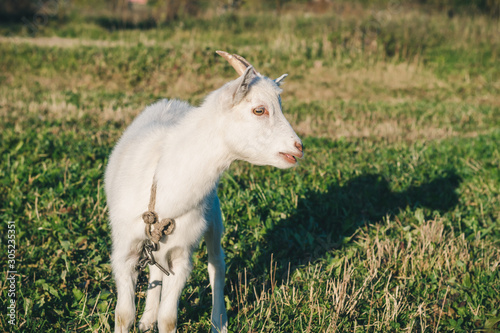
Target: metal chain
pixel 147 257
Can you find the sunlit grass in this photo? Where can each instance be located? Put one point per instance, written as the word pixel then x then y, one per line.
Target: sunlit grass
pixel 389 224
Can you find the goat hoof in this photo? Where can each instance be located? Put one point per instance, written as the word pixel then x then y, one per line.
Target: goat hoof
pixel 147 327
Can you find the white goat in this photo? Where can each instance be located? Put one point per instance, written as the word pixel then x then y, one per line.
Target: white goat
pixel 185 149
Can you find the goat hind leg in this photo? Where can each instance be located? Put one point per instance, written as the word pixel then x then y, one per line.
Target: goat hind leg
pixel 171 291
pixel 124 260
pixel 150 315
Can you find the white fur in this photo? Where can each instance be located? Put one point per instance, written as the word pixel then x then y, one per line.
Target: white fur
pixel 186 149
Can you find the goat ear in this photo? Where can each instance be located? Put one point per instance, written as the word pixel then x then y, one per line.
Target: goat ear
pixel 279 81
pixel 244 85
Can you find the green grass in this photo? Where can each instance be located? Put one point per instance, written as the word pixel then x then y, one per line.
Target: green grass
pixel 390 223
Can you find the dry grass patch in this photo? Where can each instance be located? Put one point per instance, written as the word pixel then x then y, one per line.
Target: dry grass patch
pixel 391 130
pixel 383 274
pixel 381 81
pixel 62 42
pixel 392 122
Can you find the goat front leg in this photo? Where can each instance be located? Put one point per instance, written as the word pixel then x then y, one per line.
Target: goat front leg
pixel 150 315
pixel 216 267
pixel 124 260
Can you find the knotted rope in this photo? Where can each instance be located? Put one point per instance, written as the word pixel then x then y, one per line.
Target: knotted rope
pixel 154 230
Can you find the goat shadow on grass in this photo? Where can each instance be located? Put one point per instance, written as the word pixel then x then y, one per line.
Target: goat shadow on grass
pixel 320 223
pixel 323 219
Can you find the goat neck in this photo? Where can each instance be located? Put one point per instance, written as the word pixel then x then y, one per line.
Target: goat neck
pixel 192 161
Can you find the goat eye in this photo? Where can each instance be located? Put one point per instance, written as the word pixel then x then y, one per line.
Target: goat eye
pixel 259 111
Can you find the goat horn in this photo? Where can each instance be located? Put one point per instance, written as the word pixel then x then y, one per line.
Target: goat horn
pixel 239 63
pixel 242 60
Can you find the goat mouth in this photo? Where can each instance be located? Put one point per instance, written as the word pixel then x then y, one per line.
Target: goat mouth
pixel 289 158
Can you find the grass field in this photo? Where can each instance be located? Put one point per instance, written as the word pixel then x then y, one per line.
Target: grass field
pixel 391 222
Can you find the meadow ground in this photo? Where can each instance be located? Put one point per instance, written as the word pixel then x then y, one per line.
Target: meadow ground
pixel 391 222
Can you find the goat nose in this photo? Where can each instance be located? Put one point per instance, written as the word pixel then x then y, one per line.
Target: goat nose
pixel 299 146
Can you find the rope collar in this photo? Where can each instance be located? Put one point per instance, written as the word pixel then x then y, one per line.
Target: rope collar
pixel 155 229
